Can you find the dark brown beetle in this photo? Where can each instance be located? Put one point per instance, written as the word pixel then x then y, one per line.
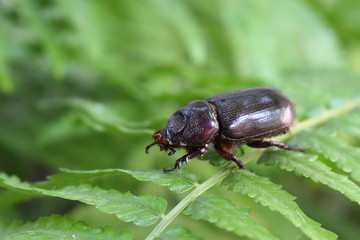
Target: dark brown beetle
pixel 229 119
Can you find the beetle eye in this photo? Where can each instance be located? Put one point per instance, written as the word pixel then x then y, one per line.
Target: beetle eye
pixel 176 122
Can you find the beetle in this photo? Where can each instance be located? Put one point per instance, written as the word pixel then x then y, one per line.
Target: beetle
pixel 246 116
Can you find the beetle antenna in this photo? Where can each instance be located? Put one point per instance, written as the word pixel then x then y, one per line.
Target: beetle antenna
pixel 149 146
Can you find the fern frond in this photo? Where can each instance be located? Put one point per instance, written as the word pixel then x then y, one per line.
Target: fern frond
pixel 143 210
pixel 310 166
pixel 226 215
pixel 336 150
pixel 56 227
pixel 268 194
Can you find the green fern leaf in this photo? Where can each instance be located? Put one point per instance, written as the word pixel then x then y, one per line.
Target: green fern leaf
pixel 179 181
pixel 309 166
pixel 68 177
pixel 346 157
pixel 271 195
pixel 57 228
pixel 177 233
pixel 143 210
pixel 226 215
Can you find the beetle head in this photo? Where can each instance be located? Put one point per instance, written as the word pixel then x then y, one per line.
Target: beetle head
pixel 194 125
pixel 160 140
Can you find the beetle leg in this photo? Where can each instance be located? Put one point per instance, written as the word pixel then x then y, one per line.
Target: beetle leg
pixel 185 158
pixel 229 156
pixel 265 144
pixel 177 164
pixel 172 151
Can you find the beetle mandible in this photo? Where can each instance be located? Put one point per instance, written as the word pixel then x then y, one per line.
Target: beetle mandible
pixel 246 116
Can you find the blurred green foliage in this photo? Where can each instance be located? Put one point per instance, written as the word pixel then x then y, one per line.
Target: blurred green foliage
pixel 84 83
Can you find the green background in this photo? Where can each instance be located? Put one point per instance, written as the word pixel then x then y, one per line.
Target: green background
pixel 84 84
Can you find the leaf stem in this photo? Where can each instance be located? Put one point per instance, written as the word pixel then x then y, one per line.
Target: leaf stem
pixel 187 200
pixel 322 118
pixel 312 122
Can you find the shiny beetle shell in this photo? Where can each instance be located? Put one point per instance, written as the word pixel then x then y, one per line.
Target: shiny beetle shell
pixel 253 113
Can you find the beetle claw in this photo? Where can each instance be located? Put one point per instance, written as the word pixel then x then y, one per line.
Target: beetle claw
pixel 172 151
pixel 177 165
pixel 168 170
pixel 172 169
